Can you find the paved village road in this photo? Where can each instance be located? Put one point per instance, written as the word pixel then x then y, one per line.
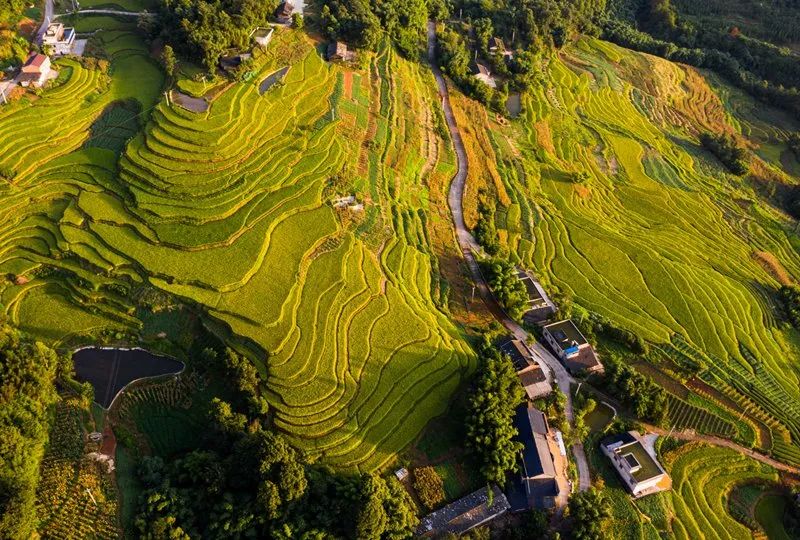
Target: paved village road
pixel 554 369
pixel 48 17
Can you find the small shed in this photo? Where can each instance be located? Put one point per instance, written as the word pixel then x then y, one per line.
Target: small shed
pixel 337 50
pixel 262 36
pixel 496 45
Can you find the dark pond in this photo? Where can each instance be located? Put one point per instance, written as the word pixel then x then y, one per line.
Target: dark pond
pixel 111 370
pixel 190 103
pixel 272 79
pixel 514 104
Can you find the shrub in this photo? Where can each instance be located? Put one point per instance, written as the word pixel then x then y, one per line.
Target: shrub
pixel 485 230
pixel 7 173
pixel 790 298
pixel 727 150
pixel 429 487
pixel 506 286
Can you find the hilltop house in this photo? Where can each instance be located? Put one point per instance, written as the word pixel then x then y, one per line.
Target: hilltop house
pixel 640 471
pixel 540 307
pixel 59 39
pixel 530 373
pixel 284 13
pixel 465 514
pixel 35 70
pixel 571 347
pixel 537 485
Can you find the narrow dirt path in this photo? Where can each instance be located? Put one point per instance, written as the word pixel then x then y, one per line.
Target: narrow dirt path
pixel 555 370
pixel 109 12
pixel 717 441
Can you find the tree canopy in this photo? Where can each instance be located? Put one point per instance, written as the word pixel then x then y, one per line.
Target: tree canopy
pixel 506 286
pixel 27 372
pixel 203 30
pixel 589 510
pixel 490 416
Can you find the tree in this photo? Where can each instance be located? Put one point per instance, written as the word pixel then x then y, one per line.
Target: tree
pixel 589 509
pixel 727 150
pixel 506 286
pixel 485 230
pixel 386 510
pixel 297 21
pixel 201 30
pixel 27 372
pixel 490 415
pixel 168 60
pixel 246 379
pixel 649 400
pixel 429 487
pixel 794 144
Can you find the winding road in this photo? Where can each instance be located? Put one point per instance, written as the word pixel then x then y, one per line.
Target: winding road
pixel 48 17
pixel 554 369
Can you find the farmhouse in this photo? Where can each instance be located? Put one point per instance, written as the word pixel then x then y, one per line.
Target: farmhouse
pixel 35 70
pixel 537 485
pixel 337 50
pixel 284 13
pixel 530 373
pixel 482 73
pixel 233 62
pixel 540 307
pixel 59 38
pixel 466 513
pixel 641 473
pixel 571 347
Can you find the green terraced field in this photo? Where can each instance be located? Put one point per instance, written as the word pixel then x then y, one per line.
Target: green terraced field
pixel 231 210
pixel 703 478
pixel 659 238
pixel 698 506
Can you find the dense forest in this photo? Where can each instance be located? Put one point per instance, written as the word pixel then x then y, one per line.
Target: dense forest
pixel 363 22
pixel 246 481
pixel 203 31
pixel 27 372
pixel 768 72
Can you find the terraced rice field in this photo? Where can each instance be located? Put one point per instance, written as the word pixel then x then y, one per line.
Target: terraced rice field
pixel 659 238
pixel 683 415
pixel 699 506
pixel 703 478
pixel 232 210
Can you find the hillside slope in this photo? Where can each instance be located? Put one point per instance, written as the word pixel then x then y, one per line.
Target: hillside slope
pixel 232 209
pixel 604 190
